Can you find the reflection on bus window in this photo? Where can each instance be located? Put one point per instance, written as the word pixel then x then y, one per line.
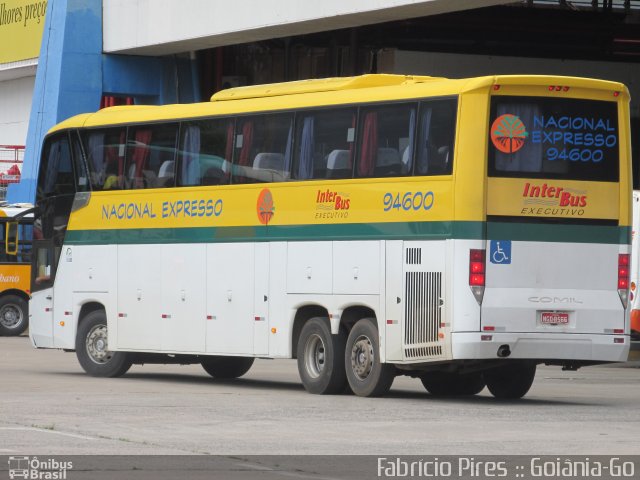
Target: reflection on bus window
pixel 436 129
pixel 263 148
pixel 57 164
pixel 386 132
pixel 43 265
pixel 324 144
pixel 151 154
pixel 105 150
pixel 205 152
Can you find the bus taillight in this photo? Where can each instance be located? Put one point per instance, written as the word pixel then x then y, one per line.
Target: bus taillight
pixel 477 273
pixel 623 277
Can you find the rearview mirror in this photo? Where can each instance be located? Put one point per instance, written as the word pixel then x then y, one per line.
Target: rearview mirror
pixel 11 238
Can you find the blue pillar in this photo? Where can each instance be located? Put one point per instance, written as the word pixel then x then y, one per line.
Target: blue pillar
pixel 68 78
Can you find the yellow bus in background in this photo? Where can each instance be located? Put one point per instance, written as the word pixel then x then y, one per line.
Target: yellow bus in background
pixel 458 231
pixel 15 268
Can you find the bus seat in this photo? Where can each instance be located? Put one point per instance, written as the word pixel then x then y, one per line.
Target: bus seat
pixel 165 174
pixel 269 161
pixel 406 157
pixel 166 169
pixel 338 164
pixel 388 162
pixel 214 176
pixel 439 163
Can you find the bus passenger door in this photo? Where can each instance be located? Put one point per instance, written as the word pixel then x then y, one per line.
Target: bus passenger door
pixel 261 300
pixel 41 303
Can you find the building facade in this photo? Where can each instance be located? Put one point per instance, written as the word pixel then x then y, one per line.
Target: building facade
pixel 98 53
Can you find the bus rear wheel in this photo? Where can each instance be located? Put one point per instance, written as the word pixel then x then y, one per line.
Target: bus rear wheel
pixel 510 381
pixel 321 357
pixel 93 351
pixel 14 315
pixel 227 367
pixel 367 375
pixel 442 384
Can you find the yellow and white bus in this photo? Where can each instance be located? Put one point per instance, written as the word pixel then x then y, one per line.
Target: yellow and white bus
pixel 15 267
pixel 459 231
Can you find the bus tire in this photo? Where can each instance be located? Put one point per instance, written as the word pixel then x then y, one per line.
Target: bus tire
pixel 14 315
pixel 511 381
pixel 321 358
pixel 442 384
pixel 92 348
pixel 367 376
pixel 227 367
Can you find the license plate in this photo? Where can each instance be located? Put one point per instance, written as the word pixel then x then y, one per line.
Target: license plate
pixel 554 318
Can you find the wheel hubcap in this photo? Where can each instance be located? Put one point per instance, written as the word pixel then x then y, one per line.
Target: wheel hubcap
pixel 362 358
pixel 314 356
pixel 10 316
pixel 97 346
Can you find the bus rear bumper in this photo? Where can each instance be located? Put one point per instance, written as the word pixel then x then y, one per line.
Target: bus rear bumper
pixel 539 346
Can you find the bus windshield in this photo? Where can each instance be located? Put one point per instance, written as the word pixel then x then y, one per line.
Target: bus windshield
pixel 554 138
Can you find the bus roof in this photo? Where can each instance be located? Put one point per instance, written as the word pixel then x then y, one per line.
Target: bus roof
pixel 320 92
pixel 317 85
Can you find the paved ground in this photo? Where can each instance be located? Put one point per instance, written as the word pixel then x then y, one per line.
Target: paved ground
pixel 48 406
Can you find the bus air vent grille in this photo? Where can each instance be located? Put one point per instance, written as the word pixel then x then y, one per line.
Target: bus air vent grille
pixel 414 256
pixel 423 314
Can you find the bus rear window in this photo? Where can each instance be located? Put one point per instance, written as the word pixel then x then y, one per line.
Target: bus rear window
pixel 534 137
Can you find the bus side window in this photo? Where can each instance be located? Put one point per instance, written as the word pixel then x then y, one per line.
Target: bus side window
pixel 436 136
pixel 151 155
pixel 11 238
pixel 263 148
pixel 25 242
pixel 323 146
pixel 385 133
pixel 105 151
pixel 205 152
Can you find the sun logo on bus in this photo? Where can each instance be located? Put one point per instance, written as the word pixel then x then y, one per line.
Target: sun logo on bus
pixel 508 133
pixel 265 207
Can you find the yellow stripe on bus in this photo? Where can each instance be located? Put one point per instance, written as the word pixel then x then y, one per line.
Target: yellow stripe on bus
pixel 521 197
pixel 347 202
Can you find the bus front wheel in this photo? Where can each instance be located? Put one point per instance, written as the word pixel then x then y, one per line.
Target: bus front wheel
pixel 321 357
pixel 510 381
pixel 227 367
pixel 367 375
pixel 93 351
pixel 14 315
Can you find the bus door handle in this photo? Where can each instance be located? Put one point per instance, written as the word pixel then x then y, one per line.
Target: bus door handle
pixel 49 297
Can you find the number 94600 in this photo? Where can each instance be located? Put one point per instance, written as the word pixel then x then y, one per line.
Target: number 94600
pixel 408 201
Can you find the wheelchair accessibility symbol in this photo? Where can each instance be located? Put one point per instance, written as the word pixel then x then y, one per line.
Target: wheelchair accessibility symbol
pixel 500 252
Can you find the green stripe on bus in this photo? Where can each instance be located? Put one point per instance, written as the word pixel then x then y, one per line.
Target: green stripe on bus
pixel 536 232
pixel 351 231
pixel 358 231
